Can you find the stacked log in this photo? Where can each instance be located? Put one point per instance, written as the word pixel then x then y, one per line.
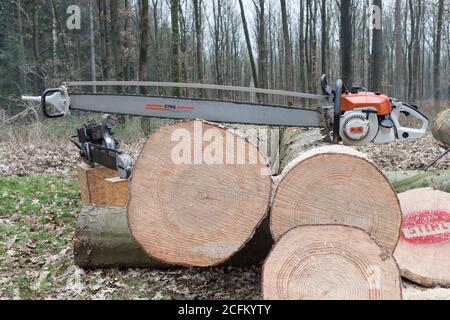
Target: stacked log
pixel 336 185
pixel 423 252
pixel 198 193
pixel 441 128
pixel 329 262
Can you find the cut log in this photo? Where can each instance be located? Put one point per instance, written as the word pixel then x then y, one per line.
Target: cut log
pixel 329 262
pixel 100 231
pixel 423 252
pixel 441 128
pixel 103 240
pixel 197 194
pixel 336 185
pixel 408 180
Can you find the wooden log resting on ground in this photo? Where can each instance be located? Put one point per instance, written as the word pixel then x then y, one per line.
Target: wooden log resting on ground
pixel 329 262
pixel 336 185
pixel 197 194
pixel 407 180
pixel 103 240
pixel 441 128
pixel 423 252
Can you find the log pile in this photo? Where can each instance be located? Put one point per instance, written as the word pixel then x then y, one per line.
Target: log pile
pixel 200 196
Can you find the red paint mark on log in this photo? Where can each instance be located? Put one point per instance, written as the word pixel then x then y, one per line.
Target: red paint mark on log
pixel 426 227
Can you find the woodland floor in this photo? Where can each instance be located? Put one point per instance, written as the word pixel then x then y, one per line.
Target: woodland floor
pixel 39 205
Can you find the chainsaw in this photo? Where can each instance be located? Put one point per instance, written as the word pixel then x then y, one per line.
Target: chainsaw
pixel 352 116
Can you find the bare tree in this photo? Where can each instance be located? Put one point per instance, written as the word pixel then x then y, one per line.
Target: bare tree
pixel 143 54
pixel 288 60
pixel 249 44
pixel 346 41
pixel 377 52
pixel 437 53
pixel 174 7
pixel 398 77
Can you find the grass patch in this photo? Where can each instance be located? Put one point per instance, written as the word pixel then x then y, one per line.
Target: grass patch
pixel 37 220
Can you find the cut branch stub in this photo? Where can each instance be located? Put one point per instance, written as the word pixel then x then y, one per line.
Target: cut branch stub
pixel 423 252
pixel 329 262
pixel 196 197
pixel 336 185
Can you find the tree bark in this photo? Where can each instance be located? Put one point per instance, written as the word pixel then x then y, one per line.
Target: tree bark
pixel 441 127
pixel 329 262
pixel 103 240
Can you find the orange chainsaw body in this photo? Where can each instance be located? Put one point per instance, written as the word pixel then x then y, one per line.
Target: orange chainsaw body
pixel 382 103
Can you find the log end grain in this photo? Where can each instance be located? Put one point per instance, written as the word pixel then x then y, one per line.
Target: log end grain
pixel 197 213
pixel 329 262
pixel 336 185
pixel 423 252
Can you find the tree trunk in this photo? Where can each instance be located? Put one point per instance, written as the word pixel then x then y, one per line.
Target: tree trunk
pixel 103 38
pixel 288 61
pixel 437 54
pixel 324 44
pixel 143 55
pixel 377 53
pixel 198 40
pixel 408 180
pixel 262 45
pixel 329 262
pixel 199 199
pixel 115 41
pixel 422 251
pixel 340 178
pixel 175 40
pixel 249 45
pixel 92 44
pixel 346 41
pixel 398 75
pixel 103 240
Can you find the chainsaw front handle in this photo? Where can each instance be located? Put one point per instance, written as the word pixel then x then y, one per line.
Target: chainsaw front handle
pixel 410 111
pixel 58 98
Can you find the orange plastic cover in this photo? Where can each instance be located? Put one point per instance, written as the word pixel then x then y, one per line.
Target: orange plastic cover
pixel 352 101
